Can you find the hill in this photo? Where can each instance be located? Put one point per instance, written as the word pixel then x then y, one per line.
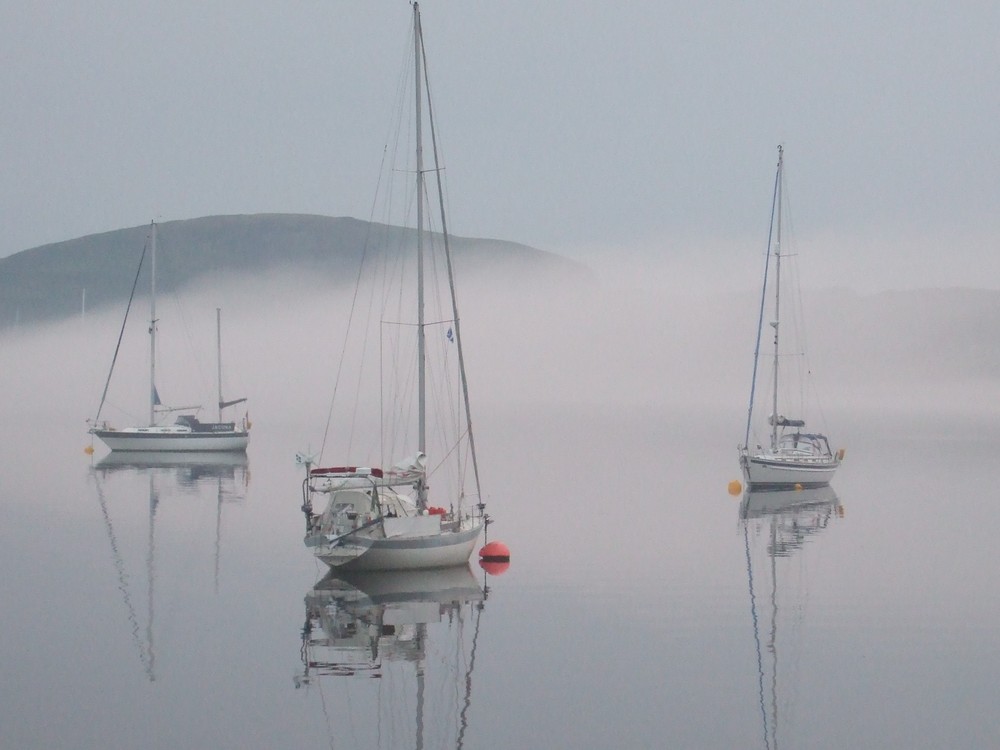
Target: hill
pixel 54 281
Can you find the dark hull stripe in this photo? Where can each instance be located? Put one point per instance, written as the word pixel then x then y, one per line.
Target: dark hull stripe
pixel 166 435
pixel 788 466
pixel 785 485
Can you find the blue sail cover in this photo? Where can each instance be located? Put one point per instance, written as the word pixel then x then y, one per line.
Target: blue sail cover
pixel 782 421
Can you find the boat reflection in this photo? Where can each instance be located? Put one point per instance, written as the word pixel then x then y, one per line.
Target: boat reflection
pixel 188 467
pixel 791 516
pixel 776 525
pixel 121 477
pixel 404 627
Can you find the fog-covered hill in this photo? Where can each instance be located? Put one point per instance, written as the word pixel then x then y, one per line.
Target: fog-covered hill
pixel 57 280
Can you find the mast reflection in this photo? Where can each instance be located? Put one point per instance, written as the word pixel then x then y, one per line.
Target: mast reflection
pixel 778 524
pixel 122 476
pixel 402 629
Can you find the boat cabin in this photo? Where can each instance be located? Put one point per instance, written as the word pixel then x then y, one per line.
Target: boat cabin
pixel 190 421
pixel 803 443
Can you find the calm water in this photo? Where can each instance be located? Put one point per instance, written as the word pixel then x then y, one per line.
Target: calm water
pixel 173 605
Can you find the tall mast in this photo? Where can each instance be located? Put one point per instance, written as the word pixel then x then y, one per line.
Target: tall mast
pixel 218 353
pixel 218 360
pixel 421 353
pixel 152 327
pixel 777 305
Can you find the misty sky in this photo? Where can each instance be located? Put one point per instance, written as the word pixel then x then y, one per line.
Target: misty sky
pixel 612 133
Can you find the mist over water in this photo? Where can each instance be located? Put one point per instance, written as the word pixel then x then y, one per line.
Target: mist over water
pixel 607 415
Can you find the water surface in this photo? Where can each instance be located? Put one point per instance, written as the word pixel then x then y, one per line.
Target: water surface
pixel 173 605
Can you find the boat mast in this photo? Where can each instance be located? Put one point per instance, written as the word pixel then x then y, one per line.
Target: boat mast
pixel 152 327
pixel 218 359
pixel 218 355
pixel 421 352
pixel 777 306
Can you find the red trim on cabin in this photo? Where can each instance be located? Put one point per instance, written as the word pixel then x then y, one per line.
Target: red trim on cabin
pixel 377 473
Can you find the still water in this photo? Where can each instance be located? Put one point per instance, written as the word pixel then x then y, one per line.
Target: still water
pixel 171 604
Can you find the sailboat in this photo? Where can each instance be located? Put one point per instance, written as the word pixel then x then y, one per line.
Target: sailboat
pixel 794 457
pixel 187 433
pixel 379 518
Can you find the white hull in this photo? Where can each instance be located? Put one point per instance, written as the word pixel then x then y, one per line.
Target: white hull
pixel 164 439
pixel 402 553
pixel 774 471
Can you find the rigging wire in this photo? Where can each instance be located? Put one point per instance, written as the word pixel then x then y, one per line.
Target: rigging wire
pixel 451 280
pixel 121 333
pixel 763 300
pixel 350 319
pixel 366 247
pixel 808 394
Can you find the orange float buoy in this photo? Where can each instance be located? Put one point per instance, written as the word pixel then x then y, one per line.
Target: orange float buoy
pixel 494 568
pixel 495 552
pixel 735 487
pixel 89 450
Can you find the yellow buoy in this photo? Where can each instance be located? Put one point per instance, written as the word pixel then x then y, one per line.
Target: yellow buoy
pixel 798 486
pixel 735 487
pixel 89 450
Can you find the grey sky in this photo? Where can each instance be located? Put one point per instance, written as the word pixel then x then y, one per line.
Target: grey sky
pixel 624 131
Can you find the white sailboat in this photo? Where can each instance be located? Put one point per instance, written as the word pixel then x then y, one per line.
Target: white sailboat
pixel 380 518
pixel 793 456
pixel 187 433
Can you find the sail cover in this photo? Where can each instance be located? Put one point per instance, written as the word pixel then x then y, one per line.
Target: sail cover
pixel 783 421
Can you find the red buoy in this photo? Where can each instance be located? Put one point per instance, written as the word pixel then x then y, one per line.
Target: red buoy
pixel 494 552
